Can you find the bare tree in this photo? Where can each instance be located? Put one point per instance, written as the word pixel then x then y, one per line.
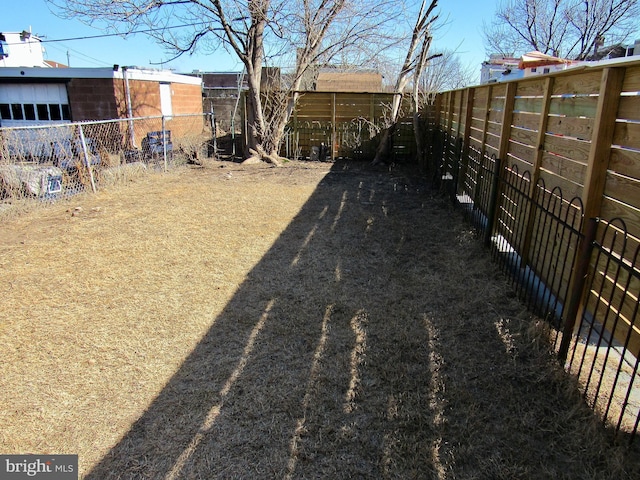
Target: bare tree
pixel 597 20
pixel 435 73
pixel 416 58
pixel 445 72
pixel 257 32
pixel 567 28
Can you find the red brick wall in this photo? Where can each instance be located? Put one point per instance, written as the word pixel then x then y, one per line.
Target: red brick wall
pixel 104 99
pixel 186 98
pixel 145 98
pixel 92 99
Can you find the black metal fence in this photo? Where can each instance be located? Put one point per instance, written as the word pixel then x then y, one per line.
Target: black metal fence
pixel 604 362
pixel 580 275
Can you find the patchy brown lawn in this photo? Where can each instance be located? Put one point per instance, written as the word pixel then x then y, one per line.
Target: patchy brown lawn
pixel 311 321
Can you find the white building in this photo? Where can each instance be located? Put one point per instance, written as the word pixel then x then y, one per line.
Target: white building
pixel 21 49
pixel 499 69
pixel 538 63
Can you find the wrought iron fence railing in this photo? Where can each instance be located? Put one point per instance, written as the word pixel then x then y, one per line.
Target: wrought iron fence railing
pixel 580 275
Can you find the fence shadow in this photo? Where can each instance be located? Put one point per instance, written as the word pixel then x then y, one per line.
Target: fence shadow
pixel 358 347
pixel 281 383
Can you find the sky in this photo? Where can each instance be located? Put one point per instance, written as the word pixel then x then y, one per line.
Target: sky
pixel 461 32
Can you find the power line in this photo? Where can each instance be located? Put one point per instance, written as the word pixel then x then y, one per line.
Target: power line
pixel 105 35
pixel 87 58
pixel 149 30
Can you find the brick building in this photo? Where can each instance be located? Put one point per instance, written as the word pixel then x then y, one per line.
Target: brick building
pixel 35 96
pixel 35 91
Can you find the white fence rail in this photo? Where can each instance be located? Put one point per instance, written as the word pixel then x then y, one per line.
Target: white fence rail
pixel 49 162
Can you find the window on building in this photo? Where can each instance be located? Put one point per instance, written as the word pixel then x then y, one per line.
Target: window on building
pixel 54 111
pixel 29 111
pixel 16 111
pixel 534 70
pixel 5 111
pixel 43 112
pixel 546 70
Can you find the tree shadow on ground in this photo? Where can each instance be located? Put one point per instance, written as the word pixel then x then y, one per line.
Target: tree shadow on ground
pixel 374 340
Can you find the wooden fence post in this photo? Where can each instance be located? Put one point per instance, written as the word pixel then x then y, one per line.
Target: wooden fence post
pixel 468 117
pixel 542 130
pixel 503 147
pixel 507 117
pixel 601 139
pixel 334 152
pixel 372 109
pixel 452 98
pixel 460 110
pixel 493 201
pixel 438 107
pixel 593 192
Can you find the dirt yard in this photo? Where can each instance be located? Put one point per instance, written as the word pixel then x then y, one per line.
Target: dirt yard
pixel 310 321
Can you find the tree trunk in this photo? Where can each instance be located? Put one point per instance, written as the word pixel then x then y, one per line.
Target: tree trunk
pixel 420 32
pixel 421 150
pixel 253 59
pixel 279 123
pixel 385 147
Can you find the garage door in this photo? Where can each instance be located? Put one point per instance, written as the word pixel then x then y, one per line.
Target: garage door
pixel 33 104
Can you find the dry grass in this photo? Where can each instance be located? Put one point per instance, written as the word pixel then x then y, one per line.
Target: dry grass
pixel 250 322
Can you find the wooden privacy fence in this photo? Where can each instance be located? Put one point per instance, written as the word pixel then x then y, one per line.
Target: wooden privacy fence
pixel 549 166
pixel 343 125
pixel 578 130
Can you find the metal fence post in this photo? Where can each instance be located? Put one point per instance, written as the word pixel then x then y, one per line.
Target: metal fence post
pixel 493 201
pixel 577 289
pixel 214 130
pixel 164 143
pixel 456 170
pixel 87 160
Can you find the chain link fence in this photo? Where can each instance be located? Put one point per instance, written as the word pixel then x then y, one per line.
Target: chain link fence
pixel 46 163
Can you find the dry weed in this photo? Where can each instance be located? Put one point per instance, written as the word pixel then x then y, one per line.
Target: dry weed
pixel 311 321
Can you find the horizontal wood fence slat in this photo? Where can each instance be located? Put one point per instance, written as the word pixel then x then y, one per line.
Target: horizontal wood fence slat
pixel 346 124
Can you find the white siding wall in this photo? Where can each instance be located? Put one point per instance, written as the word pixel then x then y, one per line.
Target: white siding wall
pixel 23 51
pixel 33 104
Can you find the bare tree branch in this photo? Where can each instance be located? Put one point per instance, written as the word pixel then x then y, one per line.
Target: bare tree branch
pixel 568 28
pixel 421 34
pixel 295 33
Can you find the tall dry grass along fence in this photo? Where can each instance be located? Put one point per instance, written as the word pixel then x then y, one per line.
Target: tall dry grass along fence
pixel 48 162
pixel 548 167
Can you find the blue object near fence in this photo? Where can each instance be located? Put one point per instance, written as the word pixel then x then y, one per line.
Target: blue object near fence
pixel 153 145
